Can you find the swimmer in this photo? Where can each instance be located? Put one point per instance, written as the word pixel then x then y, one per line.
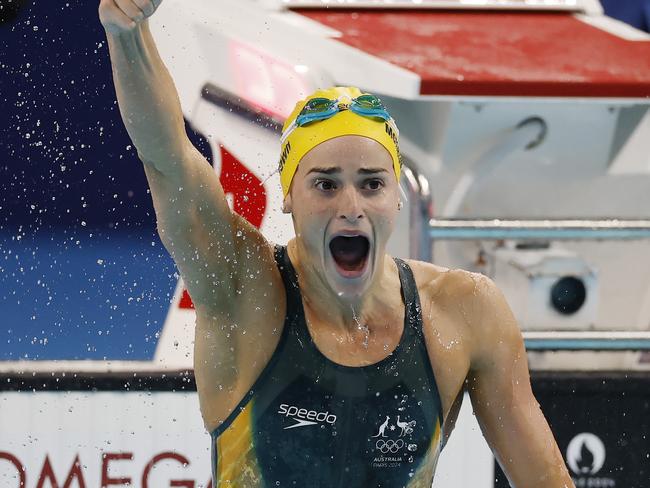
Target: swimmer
pixel 325 362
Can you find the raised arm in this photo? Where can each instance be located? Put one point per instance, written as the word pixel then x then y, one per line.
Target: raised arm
pixel 226 264
pixel 217 252
pixel 146 94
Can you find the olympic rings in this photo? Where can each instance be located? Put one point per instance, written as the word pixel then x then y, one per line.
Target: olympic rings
pixel 389 446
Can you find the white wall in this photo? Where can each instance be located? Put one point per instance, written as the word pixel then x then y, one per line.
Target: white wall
pixel 466 461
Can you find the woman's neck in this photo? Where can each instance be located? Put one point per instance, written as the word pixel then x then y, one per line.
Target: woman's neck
pixel 341 312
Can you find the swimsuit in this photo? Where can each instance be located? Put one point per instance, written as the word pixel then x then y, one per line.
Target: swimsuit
pixel 308 421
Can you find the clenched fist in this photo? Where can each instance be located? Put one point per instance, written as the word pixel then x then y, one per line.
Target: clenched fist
pixel 124 15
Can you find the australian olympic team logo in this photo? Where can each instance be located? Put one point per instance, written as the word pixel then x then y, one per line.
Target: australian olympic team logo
pixel 392 442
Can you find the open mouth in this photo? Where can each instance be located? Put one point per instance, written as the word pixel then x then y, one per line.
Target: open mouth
pixel 350 253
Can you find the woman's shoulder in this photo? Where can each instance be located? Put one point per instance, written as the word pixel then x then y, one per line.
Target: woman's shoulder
pixel 441 281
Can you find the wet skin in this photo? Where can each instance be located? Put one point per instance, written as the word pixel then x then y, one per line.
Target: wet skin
pixel 472 338
pixel 228 267
pixel 349 183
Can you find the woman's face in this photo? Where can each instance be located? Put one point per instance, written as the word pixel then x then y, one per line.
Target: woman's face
pixel 343 201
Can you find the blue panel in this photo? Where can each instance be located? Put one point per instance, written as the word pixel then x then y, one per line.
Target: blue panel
pixel 68 170
pixel 633 12
pixel 69 296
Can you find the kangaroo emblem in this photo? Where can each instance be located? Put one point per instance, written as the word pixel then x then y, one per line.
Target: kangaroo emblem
pixel 407 427
pixel 382 428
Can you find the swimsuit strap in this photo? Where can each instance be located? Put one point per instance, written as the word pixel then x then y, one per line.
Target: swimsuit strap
pixel 410 296
pixel 290 279
pixel 408 289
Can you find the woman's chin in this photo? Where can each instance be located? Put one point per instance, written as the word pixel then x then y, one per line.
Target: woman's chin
pixel 349 282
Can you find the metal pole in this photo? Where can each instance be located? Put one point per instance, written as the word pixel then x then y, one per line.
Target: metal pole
pixel 564 229
pixel 587 341
pixel 420 213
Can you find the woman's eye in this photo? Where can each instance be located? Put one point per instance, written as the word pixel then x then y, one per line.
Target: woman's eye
pixel 325 185
pixel 374 184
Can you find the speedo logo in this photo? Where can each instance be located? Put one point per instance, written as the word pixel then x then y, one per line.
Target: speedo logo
pixel 305 417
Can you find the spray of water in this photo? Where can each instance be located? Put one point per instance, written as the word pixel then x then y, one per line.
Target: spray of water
pixel 277 170
pixel 362 327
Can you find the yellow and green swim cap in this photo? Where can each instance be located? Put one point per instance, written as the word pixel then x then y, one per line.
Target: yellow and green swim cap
pixel 345 122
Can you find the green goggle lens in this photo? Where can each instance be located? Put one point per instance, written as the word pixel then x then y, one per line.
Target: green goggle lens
pixel 369 101
pixel 318 104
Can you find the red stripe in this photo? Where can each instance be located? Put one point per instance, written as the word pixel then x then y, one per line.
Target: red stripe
pixel 498 53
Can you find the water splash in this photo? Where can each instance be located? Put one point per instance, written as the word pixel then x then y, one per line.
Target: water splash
pixel 448 345
pixel 277 170
pixel 361 327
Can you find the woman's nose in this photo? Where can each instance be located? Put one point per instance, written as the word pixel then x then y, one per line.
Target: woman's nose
pixel 350 205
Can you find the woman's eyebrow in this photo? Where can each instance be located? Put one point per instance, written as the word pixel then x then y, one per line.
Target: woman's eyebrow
pixel 367 171
pixel 335 170
pixel 327 171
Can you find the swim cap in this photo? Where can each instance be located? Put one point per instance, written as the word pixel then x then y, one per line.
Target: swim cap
pixel 346 122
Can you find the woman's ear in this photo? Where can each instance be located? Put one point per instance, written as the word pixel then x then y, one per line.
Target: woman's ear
pixel 286 204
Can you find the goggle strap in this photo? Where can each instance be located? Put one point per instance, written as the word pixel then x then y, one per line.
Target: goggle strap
pixel 379 111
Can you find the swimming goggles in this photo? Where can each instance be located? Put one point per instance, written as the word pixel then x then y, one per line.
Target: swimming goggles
pixel 320 108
